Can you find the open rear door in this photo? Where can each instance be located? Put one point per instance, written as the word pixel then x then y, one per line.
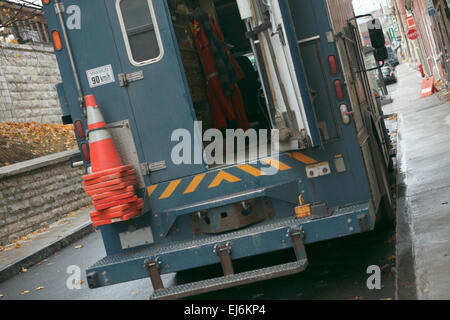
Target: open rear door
pixel 273 41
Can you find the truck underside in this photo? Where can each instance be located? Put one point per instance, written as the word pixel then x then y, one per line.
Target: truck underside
pixel 202 215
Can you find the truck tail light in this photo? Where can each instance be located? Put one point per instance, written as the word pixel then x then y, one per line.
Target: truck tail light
pixel 57 40
pixel 46 1
pixel 339 89
pixel 333 65
pixel 85 152
pixel 79 129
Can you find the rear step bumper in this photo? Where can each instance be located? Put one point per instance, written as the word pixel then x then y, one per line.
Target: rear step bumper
pixel 265 237
pixel 196 288
pixel 230 279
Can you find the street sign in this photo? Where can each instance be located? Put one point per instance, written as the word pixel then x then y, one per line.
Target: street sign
pixel 430 8
pixel 410 22
pixel 413 34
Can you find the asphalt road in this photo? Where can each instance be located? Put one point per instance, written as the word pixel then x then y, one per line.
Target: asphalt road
pixel 337 270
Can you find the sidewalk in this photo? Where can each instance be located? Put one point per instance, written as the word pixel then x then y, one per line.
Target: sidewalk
pixel 41 244
pixel 423 228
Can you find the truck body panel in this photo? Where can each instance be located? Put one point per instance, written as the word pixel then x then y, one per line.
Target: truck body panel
pixel 191 209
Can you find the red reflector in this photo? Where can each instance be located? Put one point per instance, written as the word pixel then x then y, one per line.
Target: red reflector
pixel 80 130
pixel 333 65
pixel 46 1
pixel 85 152
pixel 339 90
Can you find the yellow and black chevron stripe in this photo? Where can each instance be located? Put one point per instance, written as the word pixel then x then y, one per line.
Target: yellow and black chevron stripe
pixel 223 175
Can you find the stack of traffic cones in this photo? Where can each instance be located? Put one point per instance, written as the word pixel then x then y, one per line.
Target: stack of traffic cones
pixel 111 184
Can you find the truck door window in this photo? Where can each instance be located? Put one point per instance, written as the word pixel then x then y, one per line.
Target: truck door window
pixel 140 30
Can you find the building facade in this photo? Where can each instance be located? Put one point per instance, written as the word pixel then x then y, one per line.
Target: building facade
pixel 431 20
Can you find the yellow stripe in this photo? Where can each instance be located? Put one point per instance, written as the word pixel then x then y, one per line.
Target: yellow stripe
pixel 276 164
pixel 251 170
pixel 223 176
pixel 170 189
pixel 302 158
pixel 195 183
pixel 151 189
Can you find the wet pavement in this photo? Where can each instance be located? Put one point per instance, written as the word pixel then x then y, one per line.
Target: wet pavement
pixel 424 143
pixel 337 270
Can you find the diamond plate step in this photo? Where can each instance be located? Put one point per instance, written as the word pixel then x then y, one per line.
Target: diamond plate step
pixel 205 286
pixel 159 249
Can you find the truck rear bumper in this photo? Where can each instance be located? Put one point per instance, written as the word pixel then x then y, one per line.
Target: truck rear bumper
pixel 265 237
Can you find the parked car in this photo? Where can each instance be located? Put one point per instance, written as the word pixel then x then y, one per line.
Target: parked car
pixel 389 75
pixel 392 59
pixel 391 63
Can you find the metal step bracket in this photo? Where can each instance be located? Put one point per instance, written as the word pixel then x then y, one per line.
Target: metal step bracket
pixel 230 279
pixel 297 236
pixel 153 267
pixel 224 253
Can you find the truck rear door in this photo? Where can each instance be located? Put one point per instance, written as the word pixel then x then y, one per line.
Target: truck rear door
pixel 154 82
pixel 311 27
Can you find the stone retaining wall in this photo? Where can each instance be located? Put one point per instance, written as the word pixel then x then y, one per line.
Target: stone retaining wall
pixel 38 192
pixel 28 76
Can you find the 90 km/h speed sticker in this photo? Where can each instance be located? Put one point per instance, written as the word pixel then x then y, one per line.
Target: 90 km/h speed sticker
pixel 100 76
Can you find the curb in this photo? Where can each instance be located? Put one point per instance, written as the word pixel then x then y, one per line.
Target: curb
pixel 43 253
pixel 405 276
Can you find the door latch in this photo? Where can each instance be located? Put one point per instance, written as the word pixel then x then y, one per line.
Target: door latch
pixel 148 168
pixel 126 79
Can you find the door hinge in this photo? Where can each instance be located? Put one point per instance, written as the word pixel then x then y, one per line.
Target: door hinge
pixel 281 35
pixel 126 79
pixel 148 168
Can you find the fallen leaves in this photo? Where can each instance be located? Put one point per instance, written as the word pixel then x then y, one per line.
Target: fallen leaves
pixel 28 140
pixel 24 292
pixel 79 246
pixel 7 248
pixel 40 288
pixel 1 296
pixel 23 270
pixel 393 117
pixel 39 231
pixel 80 282
pixel 426 290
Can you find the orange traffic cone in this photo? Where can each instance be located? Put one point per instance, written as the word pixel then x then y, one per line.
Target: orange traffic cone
pixel 104 154
pixel 111 184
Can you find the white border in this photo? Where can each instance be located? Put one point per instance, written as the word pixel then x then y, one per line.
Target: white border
pixel 127 41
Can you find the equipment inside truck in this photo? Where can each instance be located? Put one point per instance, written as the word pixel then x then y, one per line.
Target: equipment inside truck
pixel 242 104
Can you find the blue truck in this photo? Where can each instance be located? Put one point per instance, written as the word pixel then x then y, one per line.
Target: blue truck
pixel 306 81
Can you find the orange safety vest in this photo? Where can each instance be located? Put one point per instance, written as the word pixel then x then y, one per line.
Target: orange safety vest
pixel 225 109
